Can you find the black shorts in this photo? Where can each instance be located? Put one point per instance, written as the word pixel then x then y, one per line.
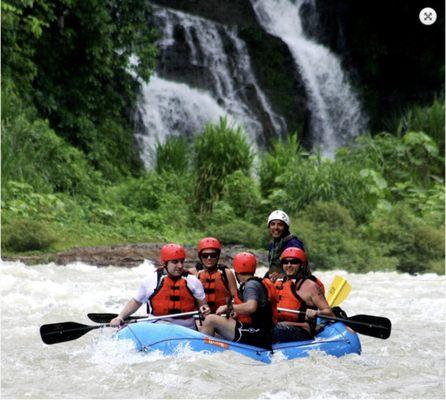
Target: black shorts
pixel 286 333
pixel 251 335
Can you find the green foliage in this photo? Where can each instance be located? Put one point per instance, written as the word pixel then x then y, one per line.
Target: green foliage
pixel 219 151
pixel 33 153
pixel 21 201
pixel 412 158
pixel 276 162
pixel 331 214
pixel 173 155
pixel 141 193
pixel 153 201
pixel 310 179
pixel 333 240
pixel 427 203
pixel 239 232
pixel 21 30
pixel 242 193
pixel 26 235
pixel 222 213
pixel 86 89
pixel 428 119
pixel 408 238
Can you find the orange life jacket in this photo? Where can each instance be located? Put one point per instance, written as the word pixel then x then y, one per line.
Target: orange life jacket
pixel 216 287
pixel 287 297
pixel 171 296
pixel 266 316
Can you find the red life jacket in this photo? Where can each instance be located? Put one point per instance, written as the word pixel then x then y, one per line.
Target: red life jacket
pixel 287 297
pixel 216 286
pixel 171 296
pixel 266 316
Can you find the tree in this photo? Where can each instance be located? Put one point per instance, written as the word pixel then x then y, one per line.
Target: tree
pixel 78 58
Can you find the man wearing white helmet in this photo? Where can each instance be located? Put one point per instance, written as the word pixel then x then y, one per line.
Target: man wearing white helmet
pixel 279 227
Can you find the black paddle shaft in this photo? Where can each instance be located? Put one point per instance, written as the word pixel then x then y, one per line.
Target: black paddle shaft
pixel 64 331
pixel 103 318
pixel 370 325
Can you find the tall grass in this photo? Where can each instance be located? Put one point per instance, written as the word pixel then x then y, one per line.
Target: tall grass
pixel 428 119
pixel 174 155
pixel 221 150
pixel 276 161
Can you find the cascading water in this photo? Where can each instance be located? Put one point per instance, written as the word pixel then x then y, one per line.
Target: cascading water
pixel 204 73
pixel 171 108
pixel 336 115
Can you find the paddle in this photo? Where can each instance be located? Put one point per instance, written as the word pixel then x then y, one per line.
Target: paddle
pixel 65 331
pixel 370 325
pixel 103 318
pixel 338 292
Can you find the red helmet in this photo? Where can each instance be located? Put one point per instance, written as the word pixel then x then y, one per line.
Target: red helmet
pixel 244 263
pixel 172 251
pixel 294 252
pixel 209 243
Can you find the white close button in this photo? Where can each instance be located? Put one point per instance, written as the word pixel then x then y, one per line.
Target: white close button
pixel 428 16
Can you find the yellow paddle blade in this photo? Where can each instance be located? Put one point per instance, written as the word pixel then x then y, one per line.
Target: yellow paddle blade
pixel 338 291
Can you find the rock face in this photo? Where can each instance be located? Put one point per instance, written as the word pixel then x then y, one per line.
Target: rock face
pixel 272 63
pixel 130 255
pixel 393 62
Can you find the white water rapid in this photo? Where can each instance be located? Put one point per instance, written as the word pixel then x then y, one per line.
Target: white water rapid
pixel 336 115
pixel 198 81
pixel 408 365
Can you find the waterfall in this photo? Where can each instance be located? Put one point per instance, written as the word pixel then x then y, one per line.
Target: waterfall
pixel 204 72
pixel 170 108
pixel 336 116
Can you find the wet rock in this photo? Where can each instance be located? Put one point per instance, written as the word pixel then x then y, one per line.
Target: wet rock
pixel 128 255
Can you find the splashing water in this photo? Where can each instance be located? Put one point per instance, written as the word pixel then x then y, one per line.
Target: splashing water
pixel 410 364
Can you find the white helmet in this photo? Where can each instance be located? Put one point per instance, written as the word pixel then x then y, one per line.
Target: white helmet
pixel 280 215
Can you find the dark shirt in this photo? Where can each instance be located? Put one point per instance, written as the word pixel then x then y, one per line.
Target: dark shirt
pixel 276 248
pixel 294 242
pixel 254 291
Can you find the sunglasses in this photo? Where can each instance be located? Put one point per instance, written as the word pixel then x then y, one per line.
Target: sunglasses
pixel 293 261
pixel 209 255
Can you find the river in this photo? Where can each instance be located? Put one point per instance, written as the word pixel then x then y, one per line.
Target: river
pixel 410 364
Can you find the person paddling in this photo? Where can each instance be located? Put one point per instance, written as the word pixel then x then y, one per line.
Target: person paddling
pixel 217 279
pixel 168 290
pixel 279 227
pixel 301 291
pixel 253 309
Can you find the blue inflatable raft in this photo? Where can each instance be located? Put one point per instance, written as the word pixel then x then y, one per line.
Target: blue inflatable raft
pixel 335 339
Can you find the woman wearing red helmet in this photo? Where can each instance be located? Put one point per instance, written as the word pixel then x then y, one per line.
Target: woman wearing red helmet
pixel 253 309
pixel 217 279
pixel 168 290
pixel 299 291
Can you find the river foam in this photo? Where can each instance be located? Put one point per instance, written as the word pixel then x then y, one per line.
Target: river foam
pixel 410 364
